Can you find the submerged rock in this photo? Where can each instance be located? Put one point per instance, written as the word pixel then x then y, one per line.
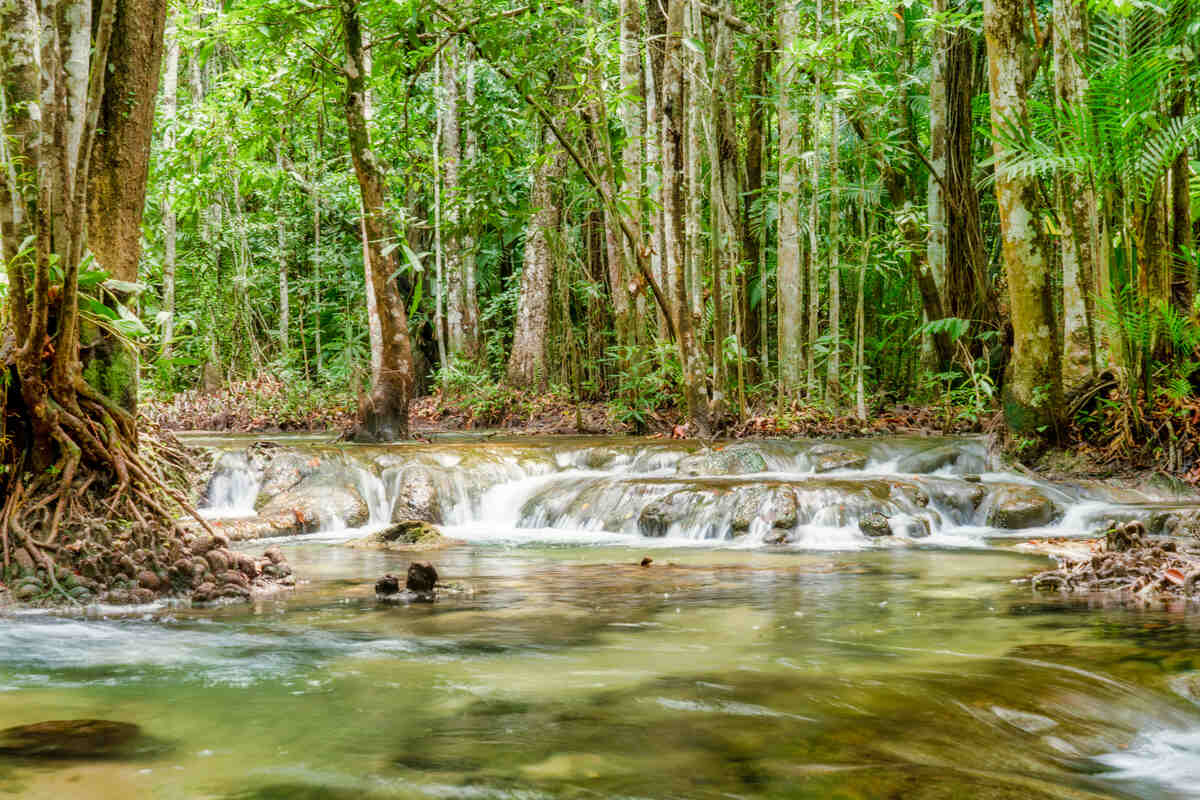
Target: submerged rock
pixel 829 457
pixel 1018 507
pixel 71 738
pixel 407 535
pixel 388 585
pixel 875 525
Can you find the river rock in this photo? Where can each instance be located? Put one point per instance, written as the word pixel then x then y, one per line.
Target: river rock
pixel 417 496
pixel 930 460
pixel 331 491
pixel 911 527
pixel 737 459
pixel 829 457
pixel 422 577
pixel 875 525
pixel 1017 507
pixel 775 505
pixel 405 536
pixel 388 585
pixel 283 471
pixel 657 517
pixel 71 738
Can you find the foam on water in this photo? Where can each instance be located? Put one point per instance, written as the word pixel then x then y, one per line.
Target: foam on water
pixel 1166 758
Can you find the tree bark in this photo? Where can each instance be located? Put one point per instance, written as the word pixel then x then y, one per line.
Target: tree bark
pixel 170 115
pixel 1078 213
pixel 674 115
pixel 451 201
pixel 833 373
pixel 527 362
pixel 385 415
pixel 788 274
pixel 1032 393
pixel 633 119
pixel 470 302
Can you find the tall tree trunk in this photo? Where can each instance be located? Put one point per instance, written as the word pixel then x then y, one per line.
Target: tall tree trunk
pixel 1032 394
pixel 935 251
pixel 170 114
pixel 1183 286
pixel 385 416
pixel 674 115
pixel 814 229
pixel 120 163
pixel 752 312
pixel 1078 215
pixel 285 320
pixel 656 33
pixel 833 373
pixel 527 361
pixel 633 119
pixel 451 197
pixel 789 280
pixel 470 304
pixel 693 70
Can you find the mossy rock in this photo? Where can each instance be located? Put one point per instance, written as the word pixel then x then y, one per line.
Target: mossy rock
pixel 404 536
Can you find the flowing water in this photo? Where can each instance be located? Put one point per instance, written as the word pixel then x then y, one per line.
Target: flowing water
pixel 830 665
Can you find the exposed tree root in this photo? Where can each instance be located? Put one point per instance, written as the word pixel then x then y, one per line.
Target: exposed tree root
pixel 102 522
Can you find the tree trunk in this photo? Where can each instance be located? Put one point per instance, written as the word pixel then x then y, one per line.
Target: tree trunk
pixel 935 251
pixel 633 119
pixel 527 361
pixel 385 416
pixel 1032 393
pixel 673 146
pixel 170 113
pixel 1078 215
pixel 451 200
pixel 1183 288
pixel 788 276
pixel 470 303
pixel 814 229
pixel 752 312
pixel 120 162
pixel 281 246
pixel 833 373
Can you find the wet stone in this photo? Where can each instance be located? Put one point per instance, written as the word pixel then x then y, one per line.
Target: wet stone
pixel 731 460
pixel 1017 507
pixel 73 738
pixel 387 585
pixel 930 460
pixel 422 577
pixel 776 506
pixel 417 496
pixel 828 458
pixel 875 525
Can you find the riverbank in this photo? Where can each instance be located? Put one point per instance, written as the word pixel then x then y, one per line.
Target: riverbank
pixel 267 405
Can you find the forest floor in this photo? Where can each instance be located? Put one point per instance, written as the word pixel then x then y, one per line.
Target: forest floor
pixel 268 405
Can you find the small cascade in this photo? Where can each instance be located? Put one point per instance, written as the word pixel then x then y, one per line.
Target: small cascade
pixel 232 489
pixel 805 494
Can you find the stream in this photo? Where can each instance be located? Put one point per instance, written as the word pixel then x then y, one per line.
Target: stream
pixel 772 649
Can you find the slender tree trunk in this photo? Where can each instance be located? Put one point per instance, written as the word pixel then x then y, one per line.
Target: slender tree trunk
pixel 814 229
pixel 451 160
pixel 833 373
pixel 656 31
pixel 527 367
pixel 788 276
pixel 470 303
pixel 439 252
pixel 385 416
pixel 693 69
pixel 1078 215
pixel 752 312
pixel 935 253
pixel 285 317
pixel 170 115
pixel 1032 393
pixel 633 119
pixel 673 147
pixel 1183 287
